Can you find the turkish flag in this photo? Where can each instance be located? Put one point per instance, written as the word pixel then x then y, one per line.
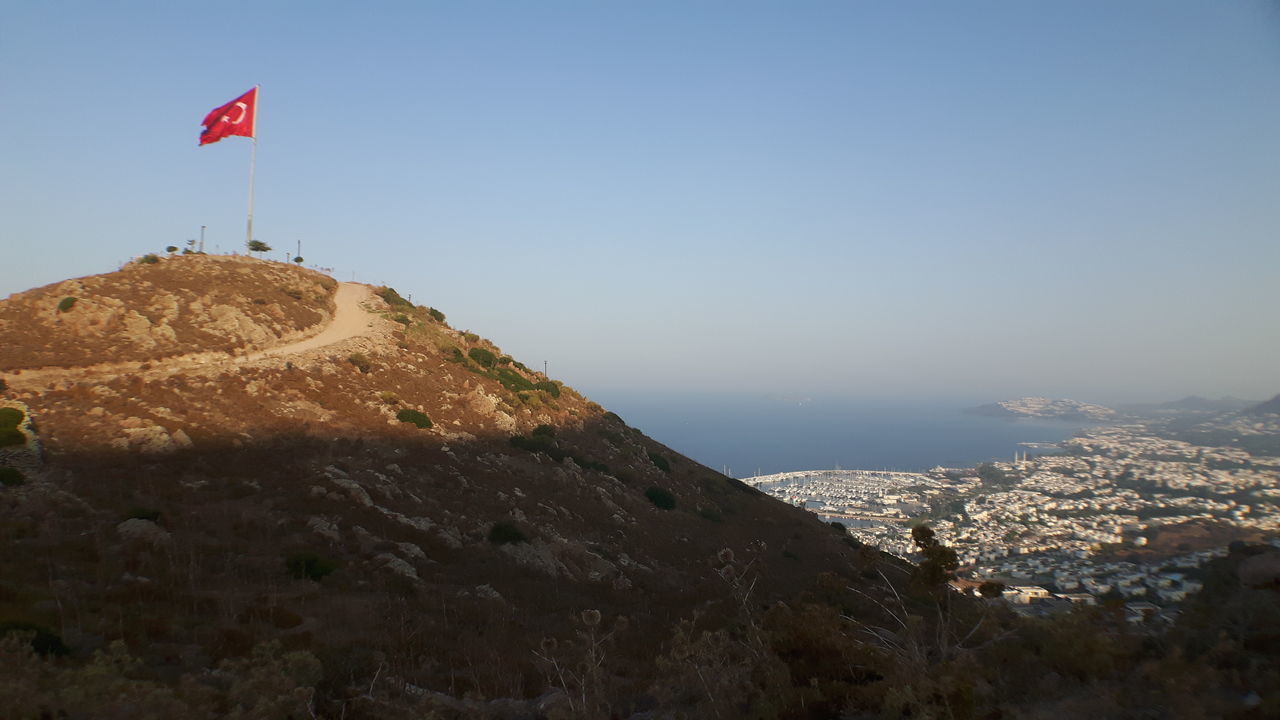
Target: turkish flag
pixel 238 117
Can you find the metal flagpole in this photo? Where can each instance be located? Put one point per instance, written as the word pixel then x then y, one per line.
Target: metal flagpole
pixel 253 161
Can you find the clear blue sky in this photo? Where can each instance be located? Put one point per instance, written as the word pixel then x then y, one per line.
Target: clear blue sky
pixel 796 198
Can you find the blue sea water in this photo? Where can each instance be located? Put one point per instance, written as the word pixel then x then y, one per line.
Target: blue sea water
pixel 750 436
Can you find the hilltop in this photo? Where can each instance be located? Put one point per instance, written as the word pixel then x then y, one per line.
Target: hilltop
pixel 234 488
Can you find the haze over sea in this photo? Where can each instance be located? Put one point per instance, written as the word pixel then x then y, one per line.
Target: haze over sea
pixel 752 435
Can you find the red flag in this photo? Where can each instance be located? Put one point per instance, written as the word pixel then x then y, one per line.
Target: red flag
pixel 238 117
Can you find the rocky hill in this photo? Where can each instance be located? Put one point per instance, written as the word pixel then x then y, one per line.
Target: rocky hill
pixel 231 488
pixel 407 504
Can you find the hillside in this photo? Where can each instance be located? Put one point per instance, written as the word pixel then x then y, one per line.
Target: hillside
pixel 345 508
pixel 196 506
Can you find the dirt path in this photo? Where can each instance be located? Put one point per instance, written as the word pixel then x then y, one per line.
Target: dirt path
pixel 350 320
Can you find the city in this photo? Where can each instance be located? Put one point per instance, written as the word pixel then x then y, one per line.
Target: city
pixel 1128 511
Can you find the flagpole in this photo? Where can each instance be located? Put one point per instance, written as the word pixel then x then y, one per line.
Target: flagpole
pixel 253 162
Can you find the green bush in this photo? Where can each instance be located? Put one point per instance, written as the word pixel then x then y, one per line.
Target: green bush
pixel 149 259
pixel 360 360
pixel 482 357
pixel 512 380
pixel 504 360
pixel 11 477
pixel 144 513
pixel 710 513
pixel 589 464
pixel 550 388
pixel 10 417
pixel 310 566
pixel 44 641
pixel 505 533
pixel 661 498
pixel 414 417
pixel 539 444
pixel 12 436
pixel 456 356
pixel 544 431
pixel 614 417
pixel 66 304
pixel 660 462
pixel 403 320
pixel 435 314
pixel 393 298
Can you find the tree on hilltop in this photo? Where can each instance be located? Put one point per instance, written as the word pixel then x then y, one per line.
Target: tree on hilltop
pixel 257 246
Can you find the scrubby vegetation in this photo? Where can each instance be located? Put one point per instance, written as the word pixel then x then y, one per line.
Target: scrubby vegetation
pixel 482 357
pixel 505 533
pixel 149 259
pixel 661 497
pixel 310 566
pixel 414 417
pixel 660 462
pixel 11 477
pixel 66 303
pixel 360 361
pixel 392 298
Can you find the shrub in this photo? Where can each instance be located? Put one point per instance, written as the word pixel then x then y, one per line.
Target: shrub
pixel 408 415
pixel 660 462
pixel 505 533
pixel 10 417
pixel 389 397
pixel 257 246
pixel 11 477
pixel 3 386
pixel 550 388
pixel 589 464
pixel 171 249
pixel 539 444
pixel 403 320
pixel 149 259
pixel 298 259
pixel 144 513
pixel 435 314
pixel 512 380
pixel 393 298
pixel 482 357
pixel 66 304
pixel 710 513
pixel 544 431
pixel 661 498
pixel 470 337
pixel 614 417
pixel 360 360
pixel 310 566
pixel 455 355
pixel 44 641
pixel 12 436
pixel 504 360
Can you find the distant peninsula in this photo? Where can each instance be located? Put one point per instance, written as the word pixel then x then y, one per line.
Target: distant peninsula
pixel 1039 407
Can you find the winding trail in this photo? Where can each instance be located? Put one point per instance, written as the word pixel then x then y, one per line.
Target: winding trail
pixel 350 320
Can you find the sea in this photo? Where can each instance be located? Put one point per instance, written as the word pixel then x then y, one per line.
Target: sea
pixel 745 436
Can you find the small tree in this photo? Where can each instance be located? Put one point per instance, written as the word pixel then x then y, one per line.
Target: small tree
pixel 991 589
pixel 171 249
pixel 257 246
pixel 298 259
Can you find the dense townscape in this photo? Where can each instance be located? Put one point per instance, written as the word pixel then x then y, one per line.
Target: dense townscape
pixel 1126 511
